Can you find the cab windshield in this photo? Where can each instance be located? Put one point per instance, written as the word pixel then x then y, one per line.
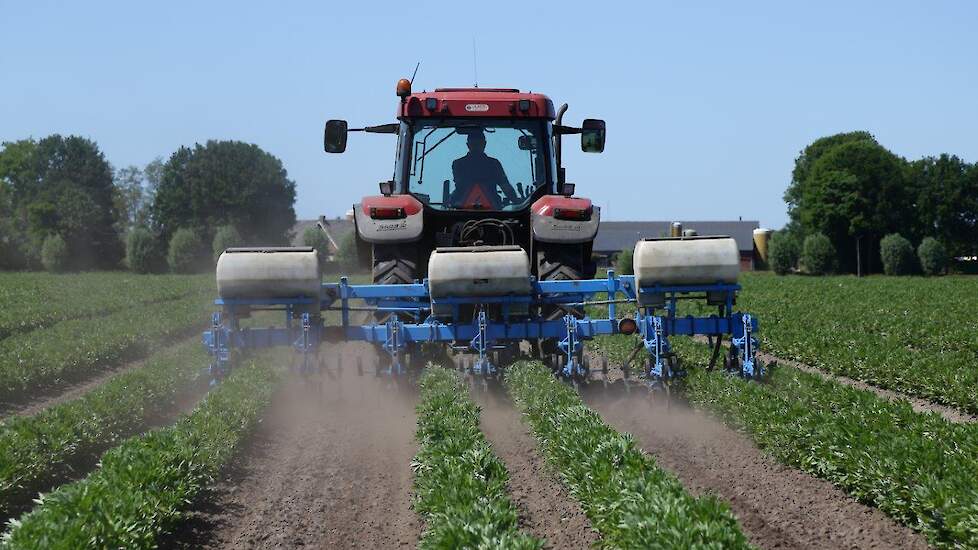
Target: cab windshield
pixel 484 164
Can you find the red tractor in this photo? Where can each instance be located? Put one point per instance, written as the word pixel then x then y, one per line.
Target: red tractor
pixel 475 167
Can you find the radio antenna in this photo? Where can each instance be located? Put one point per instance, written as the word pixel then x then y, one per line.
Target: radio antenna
pixel 415 71
pixel 475 64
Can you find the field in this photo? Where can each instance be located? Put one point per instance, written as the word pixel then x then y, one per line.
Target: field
pixel 107 415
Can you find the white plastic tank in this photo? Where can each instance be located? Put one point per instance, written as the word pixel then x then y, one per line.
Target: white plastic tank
pixel 478 271
pixel 686 260
pixel 269 272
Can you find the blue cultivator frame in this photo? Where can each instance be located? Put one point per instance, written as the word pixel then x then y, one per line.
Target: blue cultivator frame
pixel 410 323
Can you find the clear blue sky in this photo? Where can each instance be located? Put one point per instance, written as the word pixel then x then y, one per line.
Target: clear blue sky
pixel 706 106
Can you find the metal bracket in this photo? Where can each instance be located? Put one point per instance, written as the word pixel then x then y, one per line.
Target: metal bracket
pixel 747 347
pixel 305 343
pixel 395 343
pixel 481 343
pixel 216 341
pixel 657 344
pixel 571 346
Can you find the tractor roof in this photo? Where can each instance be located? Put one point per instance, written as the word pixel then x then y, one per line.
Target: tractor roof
pixel 476 102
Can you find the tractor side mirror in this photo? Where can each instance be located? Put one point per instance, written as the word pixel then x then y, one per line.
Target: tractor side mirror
pixel 334 138
pixel 592 135
pixel 527 143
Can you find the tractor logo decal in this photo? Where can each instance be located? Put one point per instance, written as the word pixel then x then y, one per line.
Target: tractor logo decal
pixel 397 226
pixel 476 107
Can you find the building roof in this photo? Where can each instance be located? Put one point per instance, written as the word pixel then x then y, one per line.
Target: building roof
pixel 338 229
pixel 616 236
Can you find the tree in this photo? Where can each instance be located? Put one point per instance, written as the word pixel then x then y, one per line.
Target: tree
pixel 897 255
pixel 946 200
pixel 932 256
pixel 54 254
pixel 624 262
pixel 63 186
pixel 818 256
pixel 783 252
pixel 316 238
pixel 809 156
pixel 225 182
pixel 347 255
pixel 130 198
pixel 854 193
pixel 225 237
pixel 185 251
pixel 143 251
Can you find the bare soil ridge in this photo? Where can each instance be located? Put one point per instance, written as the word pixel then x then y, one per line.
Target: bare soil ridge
pixel 777 506
pixel 546 509
pixel 330 467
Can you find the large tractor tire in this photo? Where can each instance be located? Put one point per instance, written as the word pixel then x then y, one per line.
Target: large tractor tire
pixel 395 264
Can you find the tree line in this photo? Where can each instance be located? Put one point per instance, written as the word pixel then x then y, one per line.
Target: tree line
pixel 854 206
pixel 64 207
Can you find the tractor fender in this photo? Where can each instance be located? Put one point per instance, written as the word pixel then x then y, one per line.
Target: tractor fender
pixel 550 229
pixel 404 226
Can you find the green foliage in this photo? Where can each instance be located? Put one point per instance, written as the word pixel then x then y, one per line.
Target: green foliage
pixel 130 198
pixel 54 254
pixel 145 485
pixel 36 451
pixel 460 485
pixel 71 350
pixel 818 256
pixel 348 255
pixel 897 255
pixel 875 329
pixel 932 256
pixel 226 182
pixel 629 500
pixel 316 238
pixel 63 186
pixel 143 251
pixel 225 237
pixel 849 187
pixel 917 468
pixel 946 202
pixel 623 263
pixel 783 252
pixel 30 301
pixel 185 252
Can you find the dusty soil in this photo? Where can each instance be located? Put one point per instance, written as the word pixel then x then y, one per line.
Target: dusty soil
pixel 778 506
pixel 546 509
pixel 330 467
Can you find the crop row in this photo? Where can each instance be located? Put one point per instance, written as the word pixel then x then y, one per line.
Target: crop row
pixel 38 451
pixel 145 485
pixel 913 335
pixel 916 467
pixel 71 349
pixel 630 500
pixel 460 484
pixel 29 301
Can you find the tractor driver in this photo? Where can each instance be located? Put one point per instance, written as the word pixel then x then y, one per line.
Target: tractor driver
pixel 478 176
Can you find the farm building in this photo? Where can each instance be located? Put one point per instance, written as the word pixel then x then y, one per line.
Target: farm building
pixel 613 237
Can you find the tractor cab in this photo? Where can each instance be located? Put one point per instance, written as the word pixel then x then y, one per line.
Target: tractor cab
pixel 475 167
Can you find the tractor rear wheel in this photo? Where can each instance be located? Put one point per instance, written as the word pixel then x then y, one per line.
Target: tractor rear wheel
pixel 395 264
